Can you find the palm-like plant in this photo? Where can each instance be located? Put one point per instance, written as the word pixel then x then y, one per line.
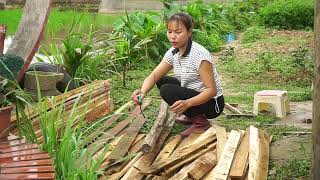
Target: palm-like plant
pixel 137 33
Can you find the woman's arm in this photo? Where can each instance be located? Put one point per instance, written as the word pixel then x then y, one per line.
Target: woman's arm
pixel 206 76
pixel 155 75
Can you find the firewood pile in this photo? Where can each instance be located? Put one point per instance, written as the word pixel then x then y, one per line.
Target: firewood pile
pixel 126 154
pixel 93 98
pixel 213 154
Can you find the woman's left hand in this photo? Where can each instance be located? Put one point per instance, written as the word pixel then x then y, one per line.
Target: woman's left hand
pixel 180 106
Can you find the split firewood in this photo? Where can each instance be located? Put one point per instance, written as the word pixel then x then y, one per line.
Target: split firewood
pixel 232 109
pixel 154 133
pixel 206 138
pixel 221 140
pixel 224 165
pixel 258 154
pixel 203 165
pixel 241 159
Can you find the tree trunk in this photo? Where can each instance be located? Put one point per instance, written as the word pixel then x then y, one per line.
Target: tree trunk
pixel 111 6
pixel 124 71
pixel 316 98
pixel 3 29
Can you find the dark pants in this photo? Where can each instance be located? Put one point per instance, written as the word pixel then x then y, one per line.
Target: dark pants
pixel 171 91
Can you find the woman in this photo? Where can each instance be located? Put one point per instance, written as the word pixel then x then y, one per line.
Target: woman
pixel 195 93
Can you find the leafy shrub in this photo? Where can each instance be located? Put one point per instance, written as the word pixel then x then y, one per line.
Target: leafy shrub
pixel 302 58
pixel 288 14
pixel 228 54
pixel 10 65
pixel 265 58
pixel 211 42
pixel 252 34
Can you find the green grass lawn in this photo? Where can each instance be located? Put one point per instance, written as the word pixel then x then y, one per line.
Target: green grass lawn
pixel 60 21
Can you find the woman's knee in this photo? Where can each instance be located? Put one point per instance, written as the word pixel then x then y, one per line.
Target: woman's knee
pixel 166 90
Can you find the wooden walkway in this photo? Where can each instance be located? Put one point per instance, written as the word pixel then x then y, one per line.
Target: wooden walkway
pixel 22 160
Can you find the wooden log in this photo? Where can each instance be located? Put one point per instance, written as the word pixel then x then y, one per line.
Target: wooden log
pixel 221 140
pixel 183 153
pixel 154 133
pixel 241 158
pixel 224 165
pixel 232 109
pixel 147 159
pixel 316 98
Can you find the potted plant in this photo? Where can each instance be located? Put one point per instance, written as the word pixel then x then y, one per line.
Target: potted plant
pixel 10 92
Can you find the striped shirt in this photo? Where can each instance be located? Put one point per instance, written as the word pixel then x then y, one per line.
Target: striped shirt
pixel 186 67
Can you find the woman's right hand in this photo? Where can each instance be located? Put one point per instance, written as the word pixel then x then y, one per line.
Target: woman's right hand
pixel 135 94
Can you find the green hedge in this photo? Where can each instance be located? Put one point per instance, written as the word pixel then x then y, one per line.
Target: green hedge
pixel 288 14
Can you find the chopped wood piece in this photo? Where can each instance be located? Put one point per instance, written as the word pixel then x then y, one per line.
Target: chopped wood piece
pixel 206 138
pixel 123 146
pixel 203 165
pixel 232 109
pixel 154 133
pixel 186 142
pixel 147 159
pixel 118 175
pixel 224 165
pixel 195 165
pixel 168 148
pixel 221 140
pixel 241 115
pixel 241 158
pixel 123 107
pixel 211 174
pixel 253 152
pixel 263 160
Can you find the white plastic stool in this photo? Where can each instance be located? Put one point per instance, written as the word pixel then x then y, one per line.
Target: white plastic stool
pixel 274 100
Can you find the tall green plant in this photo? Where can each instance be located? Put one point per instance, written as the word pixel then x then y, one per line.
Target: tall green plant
pixel 62 134
pixel 76 50
pixel 137 34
